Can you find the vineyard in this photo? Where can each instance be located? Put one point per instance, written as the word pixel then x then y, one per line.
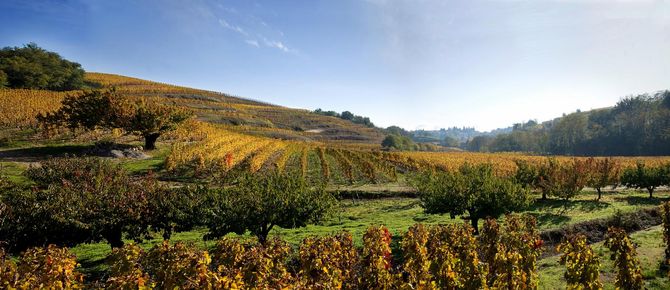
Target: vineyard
pixel 428 257
pixel 20 106
pixel 230 179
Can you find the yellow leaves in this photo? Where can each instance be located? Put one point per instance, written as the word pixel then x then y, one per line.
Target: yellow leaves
pixel 19 107
pixel 582 263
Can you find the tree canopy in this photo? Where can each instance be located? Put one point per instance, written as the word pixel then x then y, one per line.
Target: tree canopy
pixel 473 189
pixel 258 203
pixel 107 109
pixel 32 67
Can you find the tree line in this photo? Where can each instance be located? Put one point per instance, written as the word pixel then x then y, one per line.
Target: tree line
pixel 78 200
pixel 635 126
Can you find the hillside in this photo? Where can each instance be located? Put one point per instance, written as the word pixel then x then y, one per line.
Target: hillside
pixel 240 114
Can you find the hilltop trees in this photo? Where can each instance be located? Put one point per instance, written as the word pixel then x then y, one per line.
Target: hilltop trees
pixel 107 109
pixel 32 67
pixel 636 125
pixel 348 116
pixel 473 189
pixel 258 203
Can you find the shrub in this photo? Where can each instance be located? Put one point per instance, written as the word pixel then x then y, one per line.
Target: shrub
pixel 260 266
pixel 665 217
pixel 126 271
pixel 330 262
pixel 583 265
pixel 624 255
pixel 416 259
pixel 517 250
pixel 376 259
pixel 179 266
pixel 455 261
pixel 41 268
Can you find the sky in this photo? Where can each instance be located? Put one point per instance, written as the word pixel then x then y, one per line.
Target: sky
pixel 418 64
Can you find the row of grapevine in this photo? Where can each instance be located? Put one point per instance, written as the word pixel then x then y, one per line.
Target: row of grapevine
pixel 207 148
pixel 433 257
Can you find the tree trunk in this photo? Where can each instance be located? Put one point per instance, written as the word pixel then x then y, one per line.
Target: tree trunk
pixel 475 224
pixel 651 192
pixel 114 238
pixel 150 141
pixel 599 193
pixel 263 234
pixel 544 195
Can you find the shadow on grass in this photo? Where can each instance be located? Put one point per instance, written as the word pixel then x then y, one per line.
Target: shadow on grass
pixel 400 207
pixel 37 153
pixel 639 200
pixel 550 218
pixel 93 269
pixel 565 205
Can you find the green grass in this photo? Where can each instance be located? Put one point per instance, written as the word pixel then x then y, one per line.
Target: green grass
pixel 650 252
pixel 153 163
pixel 13 171
pixel 400 213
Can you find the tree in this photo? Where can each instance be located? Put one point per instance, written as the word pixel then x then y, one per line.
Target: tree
pixel 32 67
pixel 150 121
pixel 642 176
pixel 473 189
pixel 107 109
pixel 258 203
pixel 479 144
pixel 567 180
pixel 604 172
pixel 398 142
pixel 346 115
pixel 450 141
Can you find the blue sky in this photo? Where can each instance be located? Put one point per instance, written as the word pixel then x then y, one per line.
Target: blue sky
pixel 414 63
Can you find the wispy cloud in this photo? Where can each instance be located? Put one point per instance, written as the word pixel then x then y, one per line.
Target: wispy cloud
pixel 256 32
pixel 276 44
pixel 232 27
pixel 252 42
